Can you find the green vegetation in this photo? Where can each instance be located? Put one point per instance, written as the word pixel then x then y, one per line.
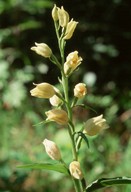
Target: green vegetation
pixel 103 37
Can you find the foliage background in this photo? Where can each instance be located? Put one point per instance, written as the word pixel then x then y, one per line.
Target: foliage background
pixel 103 38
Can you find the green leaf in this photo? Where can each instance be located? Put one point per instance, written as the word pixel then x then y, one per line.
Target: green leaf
pixel 42 122
pixel 107 182
pixel 85 138
pixel 46 166
pixel 81 136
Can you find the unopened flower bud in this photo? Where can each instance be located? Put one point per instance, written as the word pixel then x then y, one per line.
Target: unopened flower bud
pixel 70 29
pixel 55 100
pixel 52 150
pixel 42 49
pixel 55 13
pixel 63 17
pixel 72 62
pixel 58 115
pixel 80 90
pixel 95 125
pixel 75 170
pixel 43 90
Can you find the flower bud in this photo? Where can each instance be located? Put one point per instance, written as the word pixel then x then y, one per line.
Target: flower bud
pixel 72 62
pixel 43 90
pixel 55 100
pixel 52 150
pixel 70 29
pixel 63 17
pixel 58 115
pixel 55 13
pixel 80 90
pixel 42 49
pixel 95 125
pixel 75 170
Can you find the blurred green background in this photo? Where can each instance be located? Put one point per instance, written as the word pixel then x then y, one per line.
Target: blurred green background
pixel 103 39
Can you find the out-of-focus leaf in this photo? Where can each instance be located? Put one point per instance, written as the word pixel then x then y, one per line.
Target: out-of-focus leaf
pixel 15 94
pixel 37 6
pixel 86 107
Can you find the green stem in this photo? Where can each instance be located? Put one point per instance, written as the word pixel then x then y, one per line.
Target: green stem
pixel 54 60
pixel 65 84
pixel 57 32
pixel 77 185
pixel 70 126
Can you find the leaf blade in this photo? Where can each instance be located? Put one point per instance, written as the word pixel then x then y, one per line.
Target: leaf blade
pixel 107 182
pixel 46 166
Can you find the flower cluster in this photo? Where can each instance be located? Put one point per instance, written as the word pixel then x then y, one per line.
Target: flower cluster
pixel 60 15
pixel 62 105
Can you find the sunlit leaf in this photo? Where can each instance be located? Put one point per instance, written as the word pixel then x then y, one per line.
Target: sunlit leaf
pixel 108 182
pixel 46 166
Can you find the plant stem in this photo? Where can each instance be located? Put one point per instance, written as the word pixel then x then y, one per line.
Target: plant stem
pixel 77 184
pixel 65 84
pixel 68 107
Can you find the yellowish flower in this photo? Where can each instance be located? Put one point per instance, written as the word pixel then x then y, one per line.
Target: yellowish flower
pixel 75 170
pixel 70 29
pixel 52 150
pixel 80 90
pixel 55 100
pixel 42 49
pixel 72 62
pixel 55 13
pixel 95 125
pixel 63 17
pixel 43 90
pixel 58 115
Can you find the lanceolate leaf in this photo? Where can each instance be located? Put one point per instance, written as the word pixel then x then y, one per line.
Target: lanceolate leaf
pixel 81 136
pixel 107 182
pixel 46 166
pixel 85 138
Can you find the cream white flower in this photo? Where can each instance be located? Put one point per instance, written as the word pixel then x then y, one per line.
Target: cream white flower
pixel 55 100
pixel 43 90
pixel 70 29
pixel 55 13
pixel 72 62
pixel 42 49
pixel 80 90
pixel 58 115
pixel 95 125
pixel 75 170
pixel 52 150
pixel 63 17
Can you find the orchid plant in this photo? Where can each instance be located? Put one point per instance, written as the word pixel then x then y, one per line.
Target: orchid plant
pixel 62 108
